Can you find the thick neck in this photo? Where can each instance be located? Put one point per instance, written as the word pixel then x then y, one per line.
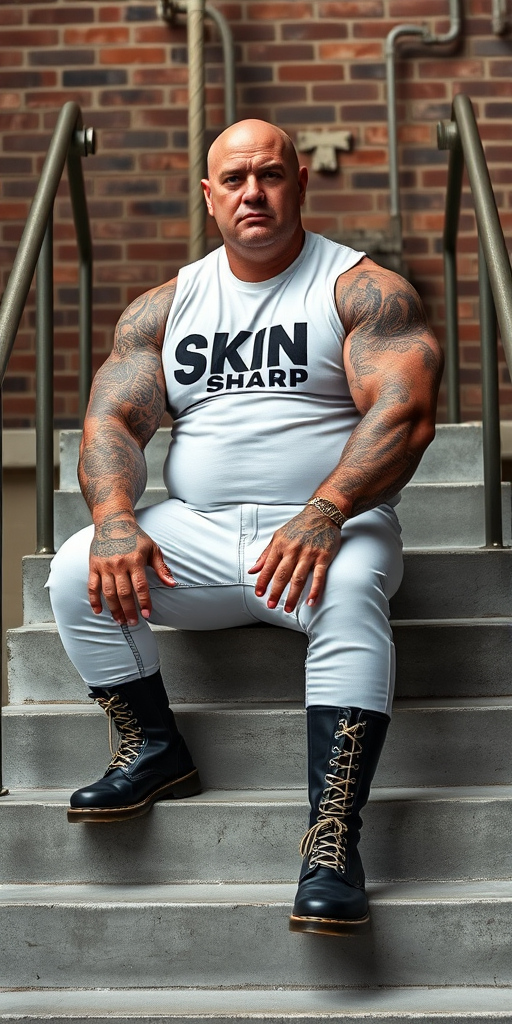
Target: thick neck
pixel 260 264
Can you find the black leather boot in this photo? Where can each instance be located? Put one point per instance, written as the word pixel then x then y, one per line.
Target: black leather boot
pixel 344 746
pixel 151 763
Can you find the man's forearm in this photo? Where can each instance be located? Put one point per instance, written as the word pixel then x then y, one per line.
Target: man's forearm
pixel 112 469
pixel 378 460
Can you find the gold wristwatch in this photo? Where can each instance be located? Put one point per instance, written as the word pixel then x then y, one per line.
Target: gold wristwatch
pixel 329 509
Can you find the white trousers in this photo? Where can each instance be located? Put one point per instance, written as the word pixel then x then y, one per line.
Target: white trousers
pixel 350 659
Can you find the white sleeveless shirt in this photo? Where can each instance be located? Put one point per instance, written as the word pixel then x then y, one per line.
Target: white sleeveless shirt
pixel 255 380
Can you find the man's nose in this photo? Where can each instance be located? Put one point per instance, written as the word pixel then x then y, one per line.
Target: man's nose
pixel 253 190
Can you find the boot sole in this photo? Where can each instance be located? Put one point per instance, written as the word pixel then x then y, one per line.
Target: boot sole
pixel 330 926
pixel 188 785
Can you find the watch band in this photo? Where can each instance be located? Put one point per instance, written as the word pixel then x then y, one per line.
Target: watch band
pixel 329 509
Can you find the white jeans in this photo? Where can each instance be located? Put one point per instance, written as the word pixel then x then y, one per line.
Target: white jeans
pixel 350 659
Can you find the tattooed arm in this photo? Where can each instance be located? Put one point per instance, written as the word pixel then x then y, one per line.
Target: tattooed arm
pixel 393 366
pixel 126 406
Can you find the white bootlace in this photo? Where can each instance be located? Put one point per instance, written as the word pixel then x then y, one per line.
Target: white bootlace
pixel 130 733
pixel 325 842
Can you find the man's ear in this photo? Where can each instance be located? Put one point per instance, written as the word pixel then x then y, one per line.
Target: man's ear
pixel 303 181
pixel 207 192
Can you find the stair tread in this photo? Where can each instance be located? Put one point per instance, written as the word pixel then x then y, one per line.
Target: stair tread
pixel 492 620
pixel 285 797
pixel 290 708
pixel 271 1002
pixel 103 894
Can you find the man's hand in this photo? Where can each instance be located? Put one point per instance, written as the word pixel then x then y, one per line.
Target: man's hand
pixel 120 552
pixel 307 543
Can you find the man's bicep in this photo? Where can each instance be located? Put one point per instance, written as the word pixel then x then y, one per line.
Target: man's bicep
pixel 389 345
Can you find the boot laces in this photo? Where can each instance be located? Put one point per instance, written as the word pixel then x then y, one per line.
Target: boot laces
pixel 130 735
pixel 325 843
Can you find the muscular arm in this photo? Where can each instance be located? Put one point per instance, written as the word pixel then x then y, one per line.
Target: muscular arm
pixel 393 366
pixel 125 409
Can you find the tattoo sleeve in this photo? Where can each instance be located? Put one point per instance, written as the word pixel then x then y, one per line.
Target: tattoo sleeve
pixel 393 366
pixel 126 405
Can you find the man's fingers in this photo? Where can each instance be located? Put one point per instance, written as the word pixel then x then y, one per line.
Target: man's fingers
pixel 281 577
pixel 161 568
pixel 317 585
pixel 266 574
pixel 94 591
pixel 258 565
pixel 297 583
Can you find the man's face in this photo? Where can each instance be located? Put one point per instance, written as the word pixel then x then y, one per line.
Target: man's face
pixel 255 188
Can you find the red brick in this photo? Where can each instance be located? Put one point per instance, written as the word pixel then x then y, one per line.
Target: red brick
pixel 30 37
pixel 11 58
pixel 350 51
pixel 110 13
pixel 311 72
pixel 61 15
pixel 421 90
pixel 10 16
pixel 352 9
pixel 452 68
pixel 131 97
pixel 160 76
pixel 365 157
pixel 339 201
pixel 252 33
pixel 259 51
pixel 359 112
pixel 57 98
pixel 10 100
pixel 429 8
pixel 133 55
pixel 19 122
pixel 163 161
pixel 314 30
pixel 78 36
pixel 160 34
pixel 171 117
pixel 13 211
pixel 279 11
pixel 157 251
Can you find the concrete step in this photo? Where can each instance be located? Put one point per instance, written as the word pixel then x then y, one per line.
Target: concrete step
pixel 431 743
pixel 225 935
pixel 454 455
pixel 270 1006
pixel 433 515
pixel 253 836
pixel 445 658
pixel 437 584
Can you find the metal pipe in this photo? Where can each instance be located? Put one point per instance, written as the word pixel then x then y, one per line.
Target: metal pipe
pixel 170 8
pixel 44 394
pixel 451 224
pixel 429 39
pixel 24 266
pixel 500 23
pixel 490 408
pixel 196 126
pixel 228 52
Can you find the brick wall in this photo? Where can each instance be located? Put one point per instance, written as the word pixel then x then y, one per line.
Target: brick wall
pixel 315 64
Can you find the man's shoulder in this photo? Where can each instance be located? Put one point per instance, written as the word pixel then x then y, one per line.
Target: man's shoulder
pixel 144 320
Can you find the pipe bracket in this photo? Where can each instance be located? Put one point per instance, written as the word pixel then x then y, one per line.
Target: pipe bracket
pixel 448 136
pixel 84 141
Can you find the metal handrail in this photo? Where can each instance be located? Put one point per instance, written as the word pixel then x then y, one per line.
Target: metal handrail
pixel 70 141
pixel 460 135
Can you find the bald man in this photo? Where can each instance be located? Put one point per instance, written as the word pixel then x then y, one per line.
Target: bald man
pixel 302 381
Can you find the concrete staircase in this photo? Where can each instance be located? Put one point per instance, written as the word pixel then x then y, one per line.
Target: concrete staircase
pixel 183 915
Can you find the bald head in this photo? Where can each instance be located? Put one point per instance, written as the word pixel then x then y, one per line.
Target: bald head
pixel 250 135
